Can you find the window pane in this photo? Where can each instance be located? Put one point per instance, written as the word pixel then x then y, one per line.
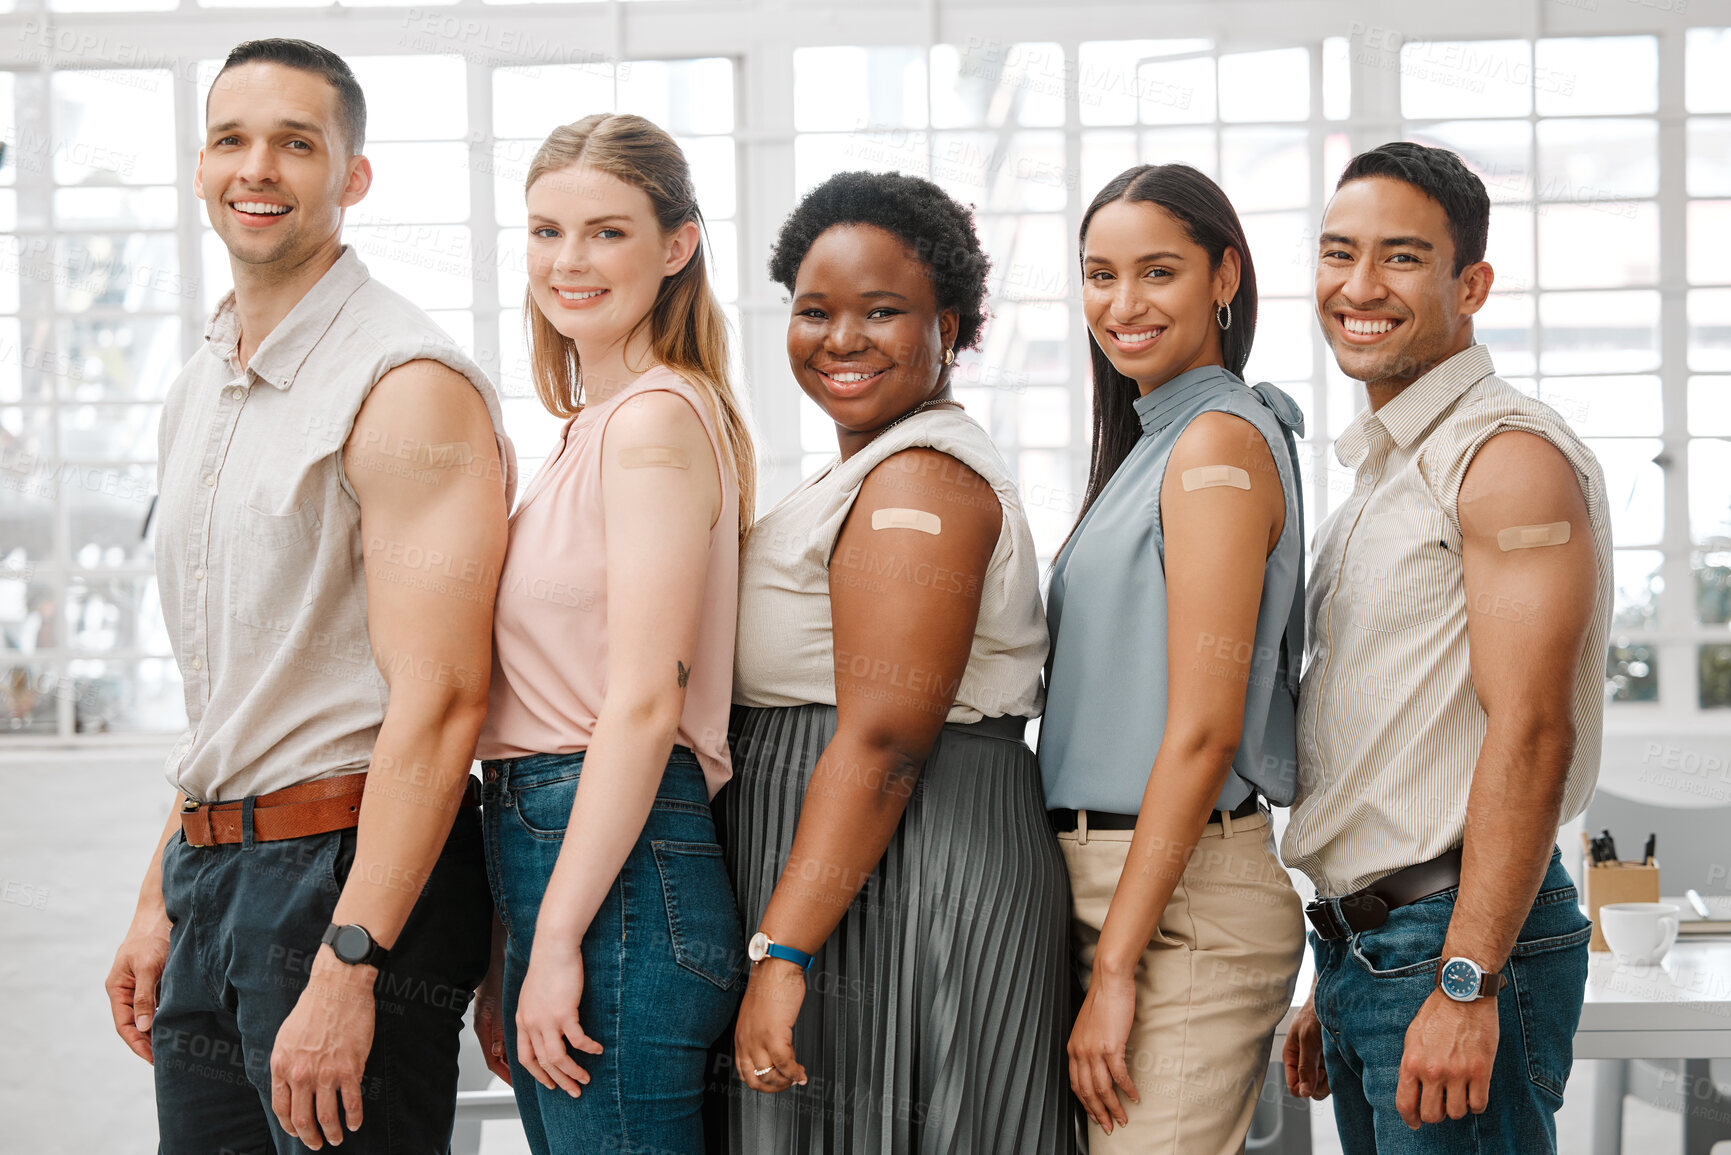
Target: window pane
pixel 1196 147
pixel 1710 406
pixel 108 432
pixel 8 121
pixel 1593 160
pixel 27 601
pixel 992 83
pixel 114 126
pixel 1499 152
pixel 106 508
pixel 1606 245
pixel 137 272
pixel 1712 569
pixel 1044 418
pixel 1606 406
pixel 114 207
pixel 1284 332
pixel 1599 332
pixel 21 259
pixel 1509 248
pixel 1178 91
pixel 1710 329
pixel 1638 588
pixel 414 97
pixel 1048 498
pixel 114 612
pixel 1030 256
pixel 1265 168
pixel 525 100
pixel 1109 81
pixel 1445 79
pixel 1709 157
pixel 1000 172
pixel 8 210
pixel 429 264
pixel 98 360
pixel 29 698
pixel 1710 490
pixel 816 430
pixel 29 370
pixel 1505 327
pixel 1023 344
pixel 1265 85
pixel 1715 677
pixel 126 697
pixel 1633 673
pixel 1634 488
pixel 712 161
pixel 1707 70
pixel 855 88
pixel 1569 75
pixel 684 97
pixel 1106 154
pixel 1709 242
pixel 1336 77
pixel 1283 248
pixel 819 156
pixel 420 183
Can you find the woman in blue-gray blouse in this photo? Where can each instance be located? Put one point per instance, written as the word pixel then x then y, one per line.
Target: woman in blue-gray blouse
pixel 1176 617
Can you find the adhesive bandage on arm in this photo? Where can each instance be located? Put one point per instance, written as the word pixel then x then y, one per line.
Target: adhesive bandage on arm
pixel 650 456
pixel 1210 476
pixel 1531 536
pixel 899 518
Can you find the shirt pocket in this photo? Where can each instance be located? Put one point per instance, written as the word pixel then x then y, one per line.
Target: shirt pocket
pixel 271 565
pixel 1401 571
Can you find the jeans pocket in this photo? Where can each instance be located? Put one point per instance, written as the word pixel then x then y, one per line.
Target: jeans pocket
pixel 544 808
pixel 1410 942
pixel 1548 973
pixel 702 921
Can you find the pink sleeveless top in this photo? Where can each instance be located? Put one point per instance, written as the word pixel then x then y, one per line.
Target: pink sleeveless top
pixel 550 622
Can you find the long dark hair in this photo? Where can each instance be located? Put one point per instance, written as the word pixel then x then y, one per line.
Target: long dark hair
pixel 1208 218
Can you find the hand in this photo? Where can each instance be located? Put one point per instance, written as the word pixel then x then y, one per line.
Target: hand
pixel 321 1052
pixel 490 1022
pixel 1306 1075
pixel 133 978
pixel 547 1015
pixel 764 1034
pixel 1446 1068
pixel 1097 1048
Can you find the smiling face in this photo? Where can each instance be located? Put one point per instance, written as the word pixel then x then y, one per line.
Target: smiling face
pixel 1387 296
pixel 597 257
pixel 866 338
pixel 1149 292
pixel 275 172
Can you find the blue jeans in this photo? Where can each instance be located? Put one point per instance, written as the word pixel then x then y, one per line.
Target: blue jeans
pixel 247 918
pixel 1369 988
pixel 663 960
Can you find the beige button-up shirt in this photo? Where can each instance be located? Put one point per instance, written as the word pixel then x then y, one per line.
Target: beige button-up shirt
pixel 259 556
pixel 1389 728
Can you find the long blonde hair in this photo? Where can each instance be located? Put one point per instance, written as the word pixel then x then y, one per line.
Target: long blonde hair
pixel 688 331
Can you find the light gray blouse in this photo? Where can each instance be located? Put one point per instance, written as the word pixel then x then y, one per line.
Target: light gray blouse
pixel 1106 610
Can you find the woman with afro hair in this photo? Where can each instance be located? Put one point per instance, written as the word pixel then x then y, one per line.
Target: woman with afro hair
pixel 884 828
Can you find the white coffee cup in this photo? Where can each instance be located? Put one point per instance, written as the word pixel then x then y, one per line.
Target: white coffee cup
pixel 1639 933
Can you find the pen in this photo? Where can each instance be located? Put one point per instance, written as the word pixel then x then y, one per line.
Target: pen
pixel 1652 845
pixel 1699 903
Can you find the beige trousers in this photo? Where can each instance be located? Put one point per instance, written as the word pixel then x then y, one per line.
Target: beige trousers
pixel 1210 988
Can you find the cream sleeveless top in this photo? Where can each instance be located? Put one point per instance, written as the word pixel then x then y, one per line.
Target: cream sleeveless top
pixel 550 623
pixel 785 654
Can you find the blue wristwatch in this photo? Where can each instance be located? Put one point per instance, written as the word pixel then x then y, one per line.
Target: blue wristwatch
pixel 762 946
pixel 1464 981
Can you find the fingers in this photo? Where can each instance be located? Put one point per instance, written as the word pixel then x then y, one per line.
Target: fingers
pixel 351 1091
pixel 327 1109
pixel 1082 1084
pixel 1455 1100
pixel 119 986
pixel 1106 1092
pixel 1406 1097
pixel 1312 1069
pixel 1430 1104
pixel 490 1033
pixel 1120 1070
pixel 1479 1095
pixel 1291 1058
pixel 302 1121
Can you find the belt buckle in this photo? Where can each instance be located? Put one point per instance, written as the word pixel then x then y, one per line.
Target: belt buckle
pixel 1327 921
pixel 1370 909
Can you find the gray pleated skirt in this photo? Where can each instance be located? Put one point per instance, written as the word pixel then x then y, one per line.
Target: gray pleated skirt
pixel 936 1015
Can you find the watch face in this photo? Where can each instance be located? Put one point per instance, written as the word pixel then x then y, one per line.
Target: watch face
pixel 758 948
pixel 1460 980
pixel 352 944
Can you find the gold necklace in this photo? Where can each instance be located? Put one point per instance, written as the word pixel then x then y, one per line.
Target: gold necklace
pixel 916 409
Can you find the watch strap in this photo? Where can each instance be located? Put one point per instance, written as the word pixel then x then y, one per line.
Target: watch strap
pixel 789 954
pixel 375 956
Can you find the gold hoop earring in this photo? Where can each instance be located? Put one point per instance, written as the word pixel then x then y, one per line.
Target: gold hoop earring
pixel 949 356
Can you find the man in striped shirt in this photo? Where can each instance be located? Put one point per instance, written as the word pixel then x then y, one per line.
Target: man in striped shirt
pixel 1450 708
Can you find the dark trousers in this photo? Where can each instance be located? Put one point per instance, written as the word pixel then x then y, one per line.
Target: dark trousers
pixel 247 920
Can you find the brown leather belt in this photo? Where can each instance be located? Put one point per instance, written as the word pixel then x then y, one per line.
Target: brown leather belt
pixel 294 812
pixel 1367 908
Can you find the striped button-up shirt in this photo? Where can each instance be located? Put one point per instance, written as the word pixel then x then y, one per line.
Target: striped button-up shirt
pixel 1389 726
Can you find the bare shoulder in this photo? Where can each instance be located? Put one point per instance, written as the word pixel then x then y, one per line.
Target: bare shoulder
pixel 932 481
pixel 1519 477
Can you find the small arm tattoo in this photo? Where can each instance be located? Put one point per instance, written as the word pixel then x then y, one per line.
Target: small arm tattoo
pixel 684 673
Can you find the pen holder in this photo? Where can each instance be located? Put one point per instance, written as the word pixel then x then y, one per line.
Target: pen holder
pixel 1616 882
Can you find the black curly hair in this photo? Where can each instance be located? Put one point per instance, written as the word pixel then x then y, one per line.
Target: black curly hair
pixel 926 218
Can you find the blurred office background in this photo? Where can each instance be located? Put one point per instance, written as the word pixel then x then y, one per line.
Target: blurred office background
pixel 1602 129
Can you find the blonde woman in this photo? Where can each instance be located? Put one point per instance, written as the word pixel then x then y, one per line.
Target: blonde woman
pixel 623 956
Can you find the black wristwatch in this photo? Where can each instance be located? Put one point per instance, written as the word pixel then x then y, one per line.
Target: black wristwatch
pixel 353 945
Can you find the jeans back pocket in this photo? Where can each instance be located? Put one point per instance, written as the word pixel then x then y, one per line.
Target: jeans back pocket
pixel 702 920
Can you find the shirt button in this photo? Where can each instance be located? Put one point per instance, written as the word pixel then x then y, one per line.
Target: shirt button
pixel 237 393
pixel 210 479
pixel 196 664
pixel 198 573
